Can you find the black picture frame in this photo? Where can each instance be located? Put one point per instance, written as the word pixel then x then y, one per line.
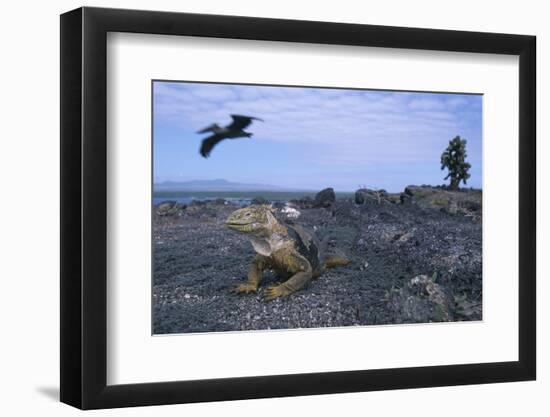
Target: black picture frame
pixel 84 207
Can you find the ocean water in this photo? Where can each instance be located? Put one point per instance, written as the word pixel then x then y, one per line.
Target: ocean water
pixel 189 199
pixel 235 197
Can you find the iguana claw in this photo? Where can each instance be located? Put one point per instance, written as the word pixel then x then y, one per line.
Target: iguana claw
pixel 274 292
pixel 244 288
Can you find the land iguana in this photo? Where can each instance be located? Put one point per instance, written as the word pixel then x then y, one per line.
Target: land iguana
pixel 293 252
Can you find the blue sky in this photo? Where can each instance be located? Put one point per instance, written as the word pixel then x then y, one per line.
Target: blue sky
pixel 314 138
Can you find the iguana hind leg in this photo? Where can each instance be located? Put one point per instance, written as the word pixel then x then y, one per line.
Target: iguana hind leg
pixel 259 264
pixel 293 284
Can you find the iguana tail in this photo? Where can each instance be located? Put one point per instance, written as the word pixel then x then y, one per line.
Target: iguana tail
pixel 332 260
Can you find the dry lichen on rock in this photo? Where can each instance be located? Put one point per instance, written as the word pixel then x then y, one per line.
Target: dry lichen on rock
pixel 421 300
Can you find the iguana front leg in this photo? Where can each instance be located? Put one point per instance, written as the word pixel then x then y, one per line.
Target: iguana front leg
pixel 259 264
pixel 293 284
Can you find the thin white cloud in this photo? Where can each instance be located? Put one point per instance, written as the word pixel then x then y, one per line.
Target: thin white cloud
pixel 457 102
pixel 369 126
pixel 426 104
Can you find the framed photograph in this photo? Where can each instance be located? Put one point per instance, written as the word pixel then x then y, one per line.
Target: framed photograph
pixel 257 207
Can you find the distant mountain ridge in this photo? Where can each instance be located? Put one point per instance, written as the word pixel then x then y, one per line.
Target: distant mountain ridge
pixel 217 185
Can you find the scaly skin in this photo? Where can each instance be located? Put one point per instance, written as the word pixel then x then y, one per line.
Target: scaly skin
pixel 293 252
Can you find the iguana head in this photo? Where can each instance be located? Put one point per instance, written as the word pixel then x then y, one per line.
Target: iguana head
pixel 256 219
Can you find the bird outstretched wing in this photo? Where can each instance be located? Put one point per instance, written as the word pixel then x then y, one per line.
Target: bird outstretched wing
pixel 241 122
pixel 208 128
pixel 209 143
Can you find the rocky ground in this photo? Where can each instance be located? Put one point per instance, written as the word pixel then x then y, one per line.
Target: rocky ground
pixel 416 257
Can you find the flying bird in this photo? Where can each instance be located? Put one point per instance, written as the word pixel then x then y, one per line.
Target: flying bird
pixel 231 131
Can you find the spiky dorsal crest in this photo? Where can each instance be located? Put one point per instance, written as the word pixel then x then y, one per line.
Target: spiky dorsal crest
pixel 271 219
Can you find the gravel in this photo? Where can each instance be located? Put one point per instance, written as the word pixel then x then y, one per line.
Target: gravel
pixel 197 260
